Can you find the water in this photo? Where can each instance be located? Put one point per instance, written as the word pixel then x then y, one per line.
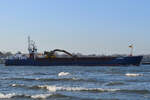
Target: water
pixel 74 83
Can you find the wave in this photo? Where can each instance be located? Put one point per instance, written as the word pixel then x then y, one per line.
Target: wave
pixel 133 74
pixel 62 88
pixel 36 96
pixel 10 95
pixel 59 88
pixel 41 96
pixel 64 74
pixel 53 88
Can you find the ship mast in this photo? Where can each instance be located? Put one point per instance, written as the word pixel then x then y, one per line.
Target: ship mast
pixel 32 48
pixel 29 45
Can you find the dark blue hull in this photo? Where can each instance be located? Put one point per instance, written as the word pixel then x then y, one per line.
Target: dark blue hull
pixel 84 61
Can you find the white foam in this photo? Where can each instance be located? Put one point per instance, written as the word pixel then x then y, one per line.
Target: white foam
pixel 37 78
pixel 50 88
pixel 6 96
pixel 59 88
pixel 40 96
pixel 133 74
pixel 15 85
pixel 63 73
pixel 37 96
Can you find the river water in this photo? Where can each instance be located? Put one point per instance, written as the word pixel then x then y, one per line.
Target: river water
pixel 74 83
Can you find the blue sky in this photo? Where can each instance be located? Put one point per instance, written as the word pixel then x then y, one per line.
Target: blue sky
pixel 86 26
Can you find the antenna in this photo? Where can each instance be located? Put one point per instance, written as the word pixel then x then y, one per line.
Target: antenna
pixel 29 42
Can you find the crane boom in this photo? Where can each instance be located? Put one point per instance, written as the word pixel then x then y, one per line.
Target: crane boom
pixel 51 53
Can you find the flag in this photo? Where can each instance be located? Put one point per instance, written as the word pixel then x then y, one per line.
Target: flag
pixel 130 46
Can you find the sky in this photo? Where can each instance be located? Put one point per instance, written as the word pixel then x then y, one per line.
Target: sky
pixel 84 26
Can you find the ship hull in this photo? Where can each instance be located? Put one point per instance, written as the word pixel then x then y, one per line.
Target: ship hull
pixel 82 61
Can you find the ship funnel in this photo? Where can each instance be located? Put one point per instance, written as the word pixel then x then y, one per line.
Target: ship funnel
pixel 131 52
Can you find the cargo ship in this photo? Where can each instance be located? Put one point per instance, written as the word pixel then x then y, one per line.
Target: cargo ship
pixel 49 58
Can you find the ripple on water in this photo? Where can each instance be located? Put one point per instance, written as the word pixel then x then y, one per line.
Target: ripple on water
pixel 73 79
pixel 45 82
pixel 114 83
pixel 144 91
